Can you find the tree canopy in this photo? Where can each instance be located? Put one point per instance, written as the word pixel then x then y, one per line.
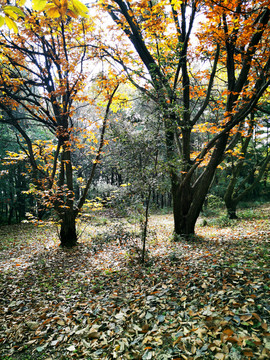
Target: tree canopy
pixel 205 65
pixel 43 81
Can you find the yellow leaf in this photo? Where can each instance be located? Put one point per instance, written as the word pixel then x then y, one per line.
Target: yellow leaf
pixel 56 2
pixel 11 14
pixel 63 7
pixel 13 9
pixel 11 24
pixel 39 4
pixel 64 3
pixel 2 20
pixel 79 8
pixel 52 11
pixel 176 4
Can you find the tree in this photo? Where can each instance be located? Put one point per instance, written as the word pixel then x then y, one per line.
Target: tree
pixel 230 51
pixel 248 166
pixel 42 75
pixel 137 153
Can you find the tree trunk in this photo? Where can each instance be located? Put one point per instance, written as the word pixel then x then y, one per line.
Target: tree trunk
pixel 10 214
pixel 189 194
pixel 68 234
pixel 186 210
pixel 65 209
pixel 231 210
pixel 145 225
pixel 229 198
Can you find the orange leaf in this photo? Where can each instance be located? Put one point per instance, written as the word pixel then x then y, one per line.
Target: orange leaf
pixel 232 339
pixel 46 321
pixel 248 353
pixel 257 317
pixel 228 332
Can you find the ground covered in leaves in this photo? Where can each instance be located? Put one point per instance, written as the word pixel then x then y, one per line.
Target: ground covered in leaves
pixel 206 298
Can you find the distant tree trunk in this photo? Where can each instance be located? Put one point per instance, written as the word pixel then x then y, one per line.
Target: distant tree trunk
pixel 6 208
pixel 112 176
pixel 161 201
pixel 231 208
pixel 10 215
pixel 229 196
pixel 169 200
pixel 21 185
pixel 11 199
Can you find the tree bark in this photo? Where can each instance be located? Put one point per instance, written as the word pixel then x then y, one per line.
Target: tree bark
pixel 189 196
pixel 68 234
pixel 184 223
pixel 231 209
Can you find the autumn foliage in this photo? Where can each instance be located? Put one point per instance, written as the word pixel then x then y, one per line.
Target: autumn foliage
pixel 204 64
pixel 43 80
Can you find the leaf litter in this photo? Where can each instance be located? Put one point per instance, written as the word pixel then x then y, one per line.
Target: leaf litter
pixel 202 298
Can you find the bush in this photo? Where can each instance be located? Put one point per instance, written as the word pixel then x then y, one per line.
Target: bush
pixel 222 221
pixel 115 232
pixel 214 202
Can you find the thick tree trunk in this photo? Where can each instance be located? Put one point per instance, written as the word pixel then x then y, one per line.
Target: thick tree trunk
pixel 189 195
pixel 65 207
pixel 230 201
pixel 186 210
pixel 231 210
pixel 68 234
pixel 184 224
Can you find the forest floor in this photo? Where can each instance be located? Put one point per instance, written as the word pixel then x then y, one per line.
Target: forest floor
pixel 203 298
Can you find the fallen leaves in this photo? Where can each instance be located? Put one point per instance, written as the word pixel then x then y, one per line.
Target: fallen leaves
pixel 198 299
